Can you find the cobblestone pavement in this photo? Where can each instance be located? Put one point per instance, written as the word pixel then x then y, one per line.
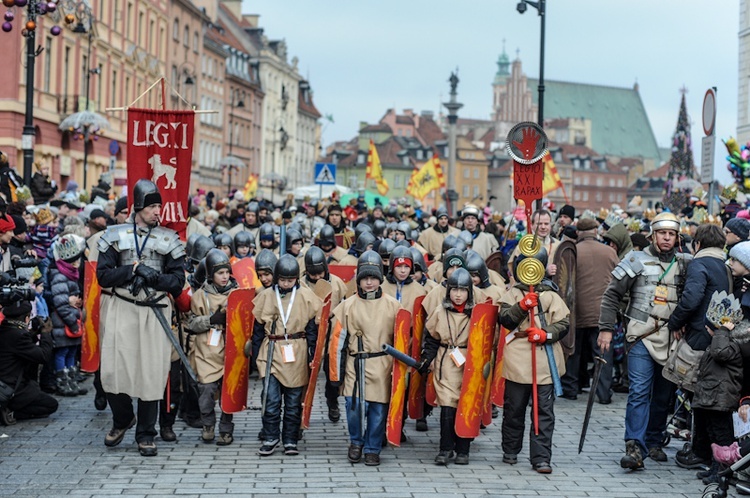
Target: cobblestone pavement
pixel 65 455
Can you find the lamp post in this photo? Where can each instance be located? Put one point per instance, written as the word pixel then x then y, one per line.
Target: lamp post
pixel 80 28
pixel 239 105
pixel 540 6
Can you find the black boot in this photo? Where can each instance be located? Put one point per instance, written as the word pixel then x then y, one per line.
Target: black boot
pixel 633 458
pixel 62 385
pixel 73 382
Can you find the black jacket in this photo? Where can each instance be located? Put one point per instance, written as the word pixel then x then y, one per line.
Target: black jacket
pixel 41 188
pixel 705 274
pixel 720 372
pixel 20 355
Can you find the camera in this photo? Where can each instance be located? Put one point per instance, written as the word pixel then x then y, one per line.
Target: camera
pixel 13 289
pixel 521 7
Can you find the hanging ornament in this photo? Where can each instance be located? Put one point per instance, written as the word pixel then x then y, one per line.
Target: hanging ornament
pixel 69 19
pixel 9 16
pixel 7 27
pixel 30 25
pixel 55 30
pixel 9 3
pixel 41 8
pixel 51 7
pixel 21 3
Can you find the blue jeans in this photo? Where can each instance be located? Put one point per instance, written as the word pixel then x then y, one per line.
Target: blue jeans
pixel 292 412
pixel 377 414
pixel 648 399
pixel 65 357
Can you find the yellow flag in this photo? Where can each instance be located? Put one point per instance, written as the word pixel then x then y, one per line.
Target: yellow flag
pixel 426 179
pixel 552 179
pixel 251 186
pixel 375 170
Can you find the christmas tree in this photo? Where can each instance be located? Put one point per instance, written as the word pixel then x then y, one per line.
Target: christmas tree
pixel 681 167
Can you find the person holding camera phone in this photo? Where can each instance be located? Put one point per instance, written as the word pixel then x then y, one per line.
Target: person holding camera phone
pixel 20 356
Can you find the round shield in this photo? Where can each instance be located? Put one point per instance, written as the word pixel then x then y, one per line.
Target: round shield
pixel 530 271
pixel 526 143
pixel 529 244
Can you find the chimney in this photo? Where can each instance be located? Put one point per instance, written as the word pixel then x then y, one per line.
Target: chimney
pixel 251 19
pixel 234 6
pixel 362 124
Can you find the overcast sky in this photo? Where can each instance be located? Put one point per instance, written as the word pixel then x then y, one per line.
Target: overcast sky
pixel 363 57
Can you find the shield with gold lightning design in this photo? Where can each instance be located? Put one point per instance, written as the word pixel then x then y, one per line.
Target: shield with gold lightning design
pixel 239 327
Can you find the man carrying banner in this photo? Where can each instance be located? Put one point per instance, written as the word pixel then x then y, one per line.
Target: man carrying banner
pixel 141 262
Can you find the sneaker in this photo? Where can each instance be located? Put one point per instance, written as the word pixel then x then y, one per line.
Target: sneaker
pixel 290 449
pixel 372 459
pixel 495 411
pixel 7 417
pixel 355 453
pixel 443 457
pixel 462 459
pixel 543 468
pixel 167 434
pixel 334 414
pixel 691 461
pixel 208 434
pixel 726 454
pixel 633 458
pixel 422 425
pixel 510 459
pixel 115 436
pixel 657 454
pixel 268 447
pixel 225 439
pixel 147 448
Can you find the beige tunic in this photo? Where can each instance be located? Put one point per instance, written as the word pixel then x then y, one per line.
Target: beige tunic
pixel 432 240
pixel 451 329
pixel 306 306
pixel 348 260
pixel 517 352
pixel 435 271
pixel 338 289
pixel 374 320
pixel 409 293
pixel 206 360
pixel 485 244
pixel 335 257
pixel 429 285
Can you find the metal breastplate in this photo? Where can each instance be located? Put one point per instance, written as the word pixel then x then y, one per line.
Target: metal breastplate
pixel 641 305
pixel 151 255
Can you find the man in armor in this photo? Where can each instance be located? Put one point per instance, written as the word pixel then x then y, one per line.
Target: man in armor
pixel 484 243
pixel 141 262
pixel 654 279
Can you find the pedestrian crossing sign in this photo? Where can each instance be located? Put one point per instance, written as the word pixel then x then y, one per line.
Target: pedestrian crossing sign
pixel 325 173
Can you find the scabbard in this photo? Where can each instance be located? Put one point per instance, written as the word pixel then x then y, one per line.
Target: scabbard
pixel 361 376
pixel 403 358
pixel 267 378
pixel 556 382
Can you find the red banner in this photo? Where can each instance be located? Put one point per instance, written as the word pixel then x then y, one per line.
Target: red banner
pixel 160 148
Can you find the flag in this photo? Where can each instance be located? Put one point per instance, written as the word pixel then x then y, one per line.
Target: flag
pixel 251 186
pixel 426 179
pixel 375 169
pixel 551 176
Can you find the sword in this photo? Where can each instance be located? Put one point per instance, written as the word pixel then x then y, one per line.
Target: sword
pixel 267 378
pixel 598 362
pixel 361 382
pixel 175 343
pixel 556 382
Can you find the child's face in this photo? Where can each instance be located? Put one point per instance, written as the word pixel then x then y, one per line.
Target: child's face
pixel 221 277
pixel 242 251
pixel 401 272
pixel 369 284
pixel 459 296
pixel 227 250
pixel 286 283
pixel 266 278
pixel 738 269
pixel 417 274
pixel 475 278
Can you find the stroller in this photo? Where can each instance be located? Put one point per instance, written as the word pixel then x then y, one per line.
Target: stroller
pixel 726 478
pixel 680 425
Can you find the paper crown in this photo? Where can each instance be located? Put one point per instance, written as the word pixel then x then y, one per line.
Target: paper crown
pixel 699 193
pixel 723 308
pixel 649 214
pixel 700 215
pixel 635 201
pixel 635 225
pixel 68 247
pixel 603 212
pixel 23 193
pixel 612 219
pixel 729 193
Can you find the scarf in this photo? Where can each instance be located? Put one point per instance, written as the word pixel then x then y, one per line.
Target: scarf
pixel 67 269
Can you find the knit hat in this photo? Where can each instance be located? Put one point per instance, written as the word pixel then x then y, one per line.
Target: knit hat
pixel 44 217
pixel 6 224
pixel 741 252
pixel 570 212
pixel 20 224
pixel 97 213
pixel 740 227
pixel 19 309
pixel 122 203
pixel 68 247
pixel 586 224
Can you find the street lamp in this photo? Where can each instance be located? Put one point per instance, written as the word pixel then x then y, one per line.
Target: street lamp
pixel 239 105
pixel 540 6
pixel 87 127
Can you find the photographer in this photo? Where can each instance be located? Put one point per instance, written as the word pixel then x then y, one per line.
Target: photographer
pixel 20 357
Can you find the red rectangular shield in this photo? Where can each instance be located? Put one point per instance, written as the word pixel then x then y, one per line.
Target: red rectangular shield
pixel 417 381
pixel 236 365
pixel 398 379
pixel 160 149
pixel 243 271
pixel 344 272
pixel 315 363
pixel 90 346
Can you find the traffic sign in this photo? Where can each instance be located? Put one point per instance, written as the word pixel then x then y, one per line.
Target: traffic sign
pixel 707 158
pixel 709 111
pixel 325 173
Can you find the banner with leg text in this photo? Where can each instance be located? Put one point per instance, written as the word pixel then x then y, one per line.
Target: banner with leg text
pixel 160 148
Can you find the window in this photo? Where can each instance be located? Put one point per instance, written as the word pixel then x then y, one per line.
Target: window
pixel 576 180
pixel 476 173
pixel 406 160
pixel 127 20
pixel 598 197
pixel 151 39
pixel 576 196
pixel 140 28
pixel 47 63
pixel 600 182
pixel 585 179
pixel 99 87
pixel 611 197
pixel 466 173
pixel 127 89
pixel 620 182
pixel 196 42
pixel 585 196
pixel 619 199
pixel 466 191
pixel 175 77
pixel 113 97
pixel 611 182
pixel 176 30
pixel 420 154
pixel 361 158
pixel 476 191
pixel 186 36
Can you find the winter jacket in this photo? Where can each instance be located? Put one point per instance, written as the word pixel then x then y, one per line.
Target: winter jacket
pixel 41 188
pixel 720 372
pixel 594 265
pixel 707 273
pixel 63 314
